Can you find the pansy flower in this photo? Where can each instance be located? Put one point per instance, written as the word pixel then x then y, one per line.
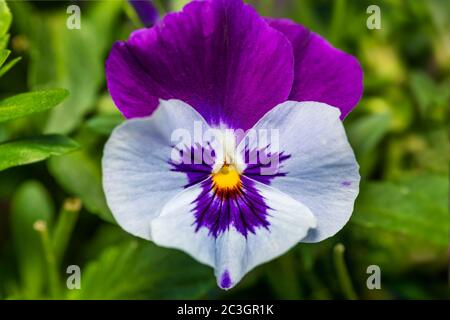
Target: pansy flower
pixel 217 66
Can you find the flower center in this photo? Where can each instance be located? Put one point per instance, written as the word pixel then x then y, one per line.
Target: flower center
pixel 226 179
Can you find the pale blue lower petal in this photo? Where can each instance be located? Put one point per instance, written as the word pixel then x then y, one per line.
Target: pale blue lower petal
pixel 231 253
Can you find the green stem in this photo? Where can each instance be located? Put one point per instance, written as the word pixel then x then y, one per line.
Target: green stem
pixel 337 21
pixel 285 281
pixel 342 272
pixel 64 227
pixel 53 278
pixel 132 15
pixel 305 14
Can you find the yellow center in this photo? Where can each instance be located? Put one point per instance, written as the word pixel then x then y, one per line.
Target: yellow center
pixel 227 178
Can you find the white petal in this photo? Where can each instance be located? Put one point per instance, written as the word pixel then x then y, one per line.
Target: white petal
pixel 289 223
pixel 232 254
pixel 322 172
pixel 137 176
pixel 175 227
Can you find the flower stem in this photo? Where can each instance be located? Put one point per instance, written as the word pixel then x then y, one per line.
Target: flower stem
pixel 64 227
pixel 53 278
pixel 337 21
pixel 342 272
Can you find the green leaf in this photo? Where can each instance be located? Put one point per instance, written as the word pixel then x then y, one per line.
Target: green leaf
pixel 4 69
pixel 140 270
pixel 4 54
pixel 432 99
pixel 4 41
pixel 79 175
pixel 5 18
pixel 75 60
pixel 415 207
pixel 32 150
pixel 27 103
pixel 104 124
pixel 30 203
pixel 366 133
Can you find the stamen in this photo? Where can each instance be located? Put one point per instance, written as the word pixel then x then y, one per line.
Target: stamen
pixel 227 180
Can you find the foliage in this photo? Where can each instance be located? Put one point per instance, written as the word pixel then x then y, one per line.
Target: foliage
pixel 398 131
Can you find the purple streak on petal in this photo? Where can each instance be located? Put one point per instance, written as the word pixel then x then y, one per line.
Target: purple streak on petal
pixel 225 280
pixel 322 73
pixel 146 11
pixel 346 183
pixel 218 56
pixel 196 162
pixel 217 210
pixel 253 170
pixel 245 210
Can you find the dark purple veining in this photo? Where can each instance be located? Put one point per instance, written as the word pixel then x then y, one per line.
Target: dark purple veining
pixel 253 170
pixel 243 207
pixel 196 162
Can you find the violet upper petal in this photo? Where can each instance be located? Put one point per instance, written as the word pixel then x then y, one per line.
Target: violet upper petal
pixel 322 72
pixel 217 55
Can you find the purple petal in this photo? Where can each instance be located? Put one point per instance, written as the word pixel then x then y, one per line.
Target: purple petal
pixel 217 55
pixel 146 11
pixel 322 73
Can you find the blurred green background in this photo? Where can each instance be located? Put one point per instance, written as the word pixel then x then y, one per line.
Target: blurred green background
pixel 399 132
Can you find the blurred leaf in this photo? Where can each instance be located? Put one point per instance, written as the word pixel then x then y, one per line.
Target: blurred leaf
pixel 303 12
pixel 431 98
pixel 285 283
pixel 104 124
pixel 79 175
pixel 141 270
pixel 30 203
pixel 104 15
pixel 32 150
pixel 4 41
pixel 27 103
pixel 4 54
pixel 392 70
pixel 5 18
pixel 365 133
pixel 417 152
pixel 107 235
pixel 4 69
pixel 177 5
pixel 70 62
pixel 423 88
pixel 416 207
pixel 74 60
pixel 396 253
